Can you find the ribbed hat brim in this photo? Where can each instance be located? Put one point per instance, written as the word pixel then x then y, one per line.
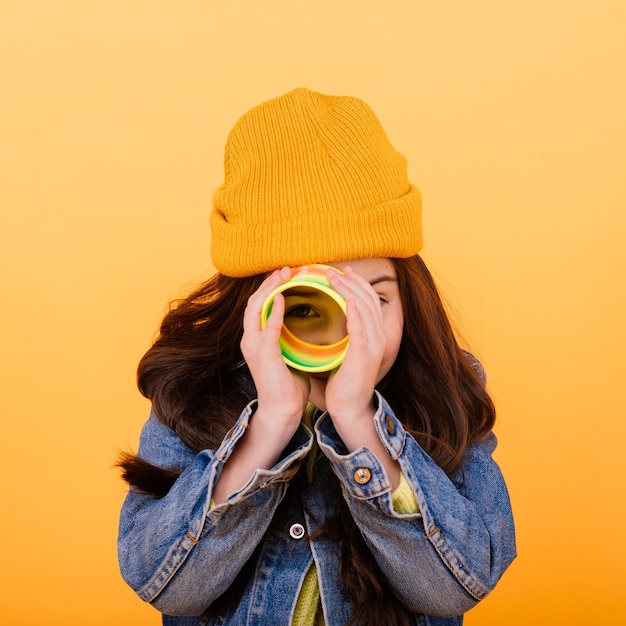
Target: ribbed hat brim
pixel 391 229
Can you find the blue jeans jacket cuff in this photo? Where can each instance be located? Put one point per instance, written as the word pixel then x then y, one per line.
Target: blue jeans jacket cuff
pixel 361 472
pixel 283 471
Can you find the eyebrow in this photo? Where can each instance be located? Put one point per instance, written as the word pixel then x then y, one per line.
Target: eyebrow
pixel 383 279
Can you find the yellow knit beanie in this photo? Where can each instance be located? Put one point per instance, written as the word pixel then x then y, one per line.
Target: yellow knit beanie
pixel 311 178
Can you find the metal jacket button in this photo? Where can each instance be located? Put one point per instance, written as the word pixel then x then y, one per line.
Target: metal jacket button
pixel 391 427
pixel 362 475
pixel 297 531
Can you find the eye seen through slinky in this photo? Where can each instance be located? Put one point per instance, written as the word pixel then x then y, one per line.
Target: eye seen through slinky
pixel 313 316
pixel 314 336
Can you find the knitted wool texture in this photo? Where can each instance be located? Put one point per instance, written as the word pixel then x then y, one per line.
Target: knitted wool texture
pixel 311 178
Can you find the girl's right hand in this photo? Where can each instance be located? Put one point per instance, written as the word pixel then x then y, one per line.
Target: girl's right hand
pixel 281 392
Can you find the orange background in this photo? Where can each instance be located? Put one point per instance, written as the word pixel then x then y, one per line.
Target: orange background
pixel 113 117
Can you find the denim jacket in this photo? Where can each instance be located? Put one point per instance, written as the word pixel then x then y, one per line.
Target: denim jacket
pixel 180 554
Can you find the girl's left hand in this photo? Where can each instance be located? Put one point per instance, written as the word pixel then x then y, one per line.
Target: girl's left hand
pixel 350 390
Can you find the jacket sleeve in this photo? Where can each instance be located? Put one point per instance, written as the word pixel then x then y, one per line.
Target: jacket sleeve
pixel 444 559
pixel 177 552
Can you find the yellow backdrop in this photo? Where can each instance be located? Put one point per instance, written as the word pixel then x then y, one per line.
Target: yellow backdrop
pixel 113 117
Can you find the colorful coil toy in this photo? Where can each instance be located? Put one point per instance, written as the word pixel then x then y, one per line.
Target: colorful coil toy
pixel 315 305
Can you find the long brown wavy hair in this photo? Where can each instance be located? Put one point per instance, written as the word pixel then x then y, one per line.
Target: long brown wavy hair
pixel 194 377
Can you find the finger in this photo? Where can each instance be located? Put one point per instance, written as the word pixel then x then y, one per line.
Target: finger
pixel 354 322
pixel 252 314
pixel 352 284
pixel 274 322
pixel 353 287
pixel 266 338
pixel 275 279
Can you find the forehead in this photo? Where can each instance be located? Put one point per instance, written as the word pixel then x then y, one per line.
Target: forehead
pixel 369 268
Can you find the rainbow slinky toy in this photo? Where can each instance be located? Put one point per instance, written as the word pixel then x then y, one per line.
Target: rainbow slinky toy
pixel 298 353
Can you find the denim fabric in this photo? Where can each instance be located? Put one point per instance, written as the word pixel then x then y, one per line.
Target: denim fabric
pixel 180 556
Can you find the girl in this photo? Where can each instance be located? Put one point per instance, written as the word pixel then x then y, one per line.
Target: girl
pixel 264 496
